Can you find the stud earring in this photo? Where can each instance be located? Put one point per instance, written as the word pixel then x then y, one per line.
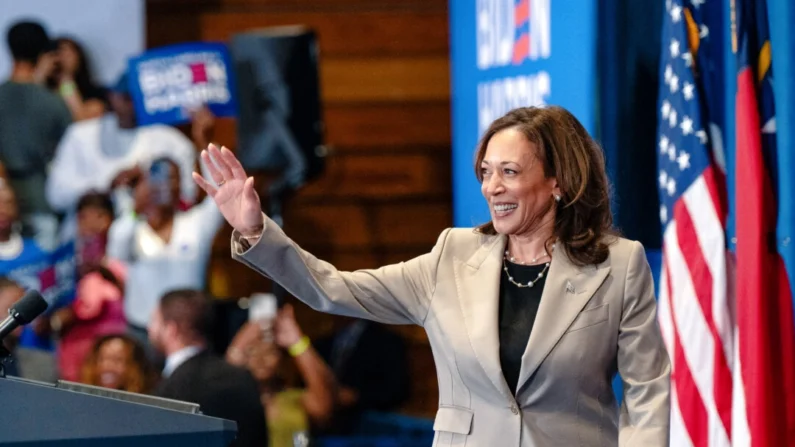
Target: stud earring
pixel 557 198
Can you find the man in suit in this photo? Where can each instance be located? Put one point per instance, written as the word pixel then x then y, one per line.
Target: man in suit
pixel 179 329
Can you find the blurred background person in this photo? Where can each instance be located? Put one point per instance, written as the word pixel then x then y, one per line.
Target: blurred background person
pixel 109 154
pixel 23 261
pixel 73 79
pixel 32 121
pixel 98 308
pixel 289 410
pixel 10 293
pixel 118 362
pixel 179 329
pixel 370 364
pixel 163 247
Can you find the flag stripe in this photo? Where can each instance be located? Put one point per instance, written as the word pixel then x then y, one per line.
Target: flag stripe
pixel 713 249
pixel 679 435
pixel 664 312
pixel 752 265
pixel 741 432
pixel 692 408
pixel 693 219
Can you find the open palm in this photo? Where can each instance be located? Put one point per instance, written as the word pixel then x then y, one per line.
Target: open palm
pixel 234 194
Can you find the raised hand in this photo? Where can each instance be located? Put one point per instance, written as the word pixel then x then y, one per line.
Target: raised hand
pixel 234 194
pixel 286 330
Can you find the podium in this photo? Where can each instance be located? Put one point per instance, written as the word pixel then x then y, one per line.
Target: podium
pixel 69 414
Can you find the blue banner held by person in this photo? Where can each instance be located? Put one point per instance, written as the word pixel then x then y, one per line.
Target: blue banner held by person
pixel 167 83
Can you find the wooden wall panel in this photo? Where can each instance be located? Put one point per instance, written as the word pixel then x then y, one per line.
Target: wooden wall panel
pixel 385 126
pixel 392 79
pixel 385 195
pixel 340 33
pixel 378 176
pixel 403 127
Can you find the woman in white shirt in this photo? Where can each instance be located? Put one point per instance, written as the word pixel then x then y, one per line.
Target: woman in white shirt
pixel 163 247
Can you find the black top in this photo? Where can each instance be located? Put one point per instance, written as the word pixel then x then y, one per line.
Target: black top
pixel 518 309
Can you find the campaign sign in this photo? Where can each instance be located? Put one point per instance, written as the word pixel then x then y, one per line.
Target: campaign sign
pixel 167 83
pixel 514 53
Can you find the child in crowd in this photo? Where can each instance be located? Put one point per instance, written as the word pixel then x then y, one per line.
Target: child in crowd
pixel 98 308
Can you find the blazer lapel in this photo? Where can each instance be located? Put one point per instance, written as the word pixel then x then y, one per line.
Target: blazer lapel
pixel 567 290
pixel 478 282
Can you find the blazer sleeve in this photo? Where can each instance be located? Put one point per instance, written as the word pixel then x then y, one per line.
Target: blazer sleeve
pixel 643 361
pixel 394 294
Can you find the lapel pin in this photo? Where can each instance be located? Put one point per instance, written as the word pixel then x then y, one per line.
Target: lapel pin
pixel 569 287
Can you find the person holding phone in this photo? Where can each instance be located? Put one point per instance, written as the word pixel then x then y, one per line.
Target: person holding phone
pixel 163 247
pixel 262 345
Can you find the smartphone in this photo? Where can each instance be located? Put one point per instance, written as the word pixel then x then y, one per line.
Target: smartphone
pixel 262 307
pixel 160 182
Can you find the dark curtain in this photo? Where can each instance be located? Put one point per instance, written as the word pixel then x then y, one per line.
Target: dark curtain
pixel 628 65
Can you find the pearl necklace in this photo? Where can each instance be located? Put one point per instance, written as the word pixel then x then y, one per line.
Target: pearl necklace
pixel 531 283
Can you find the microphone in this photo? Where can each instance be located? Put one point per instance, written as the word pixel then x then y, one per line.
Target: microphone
pixel 30 306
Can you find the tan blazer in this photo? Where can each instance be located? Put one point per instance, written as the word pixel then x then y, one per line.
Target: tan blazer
pixel 592 322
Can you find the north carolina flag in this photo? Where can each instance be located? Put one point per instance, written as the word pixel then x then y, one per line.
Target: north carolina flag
pixel 763 404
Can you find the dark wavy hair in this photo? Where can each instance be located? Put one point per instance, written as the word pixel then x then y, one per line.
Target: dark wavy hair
pixel 83 78
pixel 568 153
pixel 140 376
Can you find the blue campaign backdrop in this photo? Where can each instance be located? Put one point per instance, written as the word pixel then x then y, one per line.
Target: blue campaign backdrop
pixel 512 53
pixel 167 83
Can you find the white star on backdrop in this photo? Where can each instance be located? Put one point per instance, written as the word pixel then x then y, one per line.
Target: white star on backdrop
pixel 663 213
pixel 688 58
pixel 687 90
pixel 686 126
pixel 676 13
pixel 683 160
pixel 663 144
pixel 674 48
pixel 702 136
pixel 672 119
pixel 703 32
pixel 697 3
pixel 663 179
pixel 671 152
pixel 671 186
pixel 668 73
pixel 666 109
pixel 674 84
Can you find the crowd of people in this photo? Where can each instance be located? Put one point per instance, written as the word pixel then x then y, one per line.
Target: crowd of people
pixel 103 218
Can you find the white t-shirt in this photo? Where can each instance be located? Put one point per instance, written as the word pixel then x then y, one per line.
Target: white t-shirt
pixel 155 267
pixel 93 152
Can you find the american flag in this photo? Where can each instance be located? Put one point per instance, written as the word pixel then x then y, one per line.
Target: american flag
pixel 694 305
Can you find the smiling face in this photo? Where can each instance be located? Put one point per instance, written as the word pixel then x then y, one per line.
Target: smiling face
pixel 518 192
pixel 113 364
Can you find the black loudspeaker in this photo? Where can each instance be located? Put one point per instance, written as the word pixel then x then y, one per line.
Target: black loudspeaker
pixel 280 128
